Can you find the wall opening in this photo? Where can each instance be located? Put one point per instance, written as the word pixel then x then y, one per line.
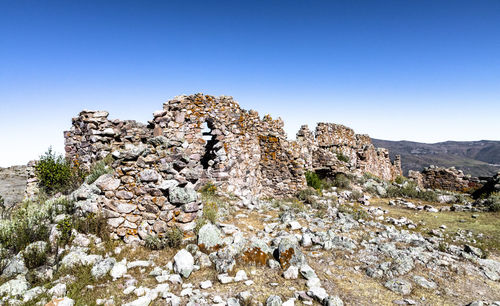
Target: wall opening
pixel 208 159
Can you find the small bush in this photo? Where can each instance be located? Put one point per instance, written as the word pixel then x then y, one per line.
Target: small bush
pixel 342 157
pixel 313 180
pixel 65 226
pixel 173 237
pixel 355 195
pixel 341 181
pixel 493 202
pixel 209 189
pixel 56 174
pixel 210 212
pixel 307 195
pixel 400 179
pixel 93 224
pixel 4 258
pixel 411 190
pixel 154 242
pixel 98 169
pixel 35 255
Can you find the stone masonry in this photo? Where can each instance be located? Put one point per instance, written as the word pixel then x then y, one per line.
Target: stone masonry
pixel 443 178
pixel 325 150
pixel 198 139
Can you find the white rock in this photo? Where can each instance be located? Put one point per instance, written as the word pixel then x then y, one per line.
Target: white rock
pixel 225 278
pixel 241 275
pixel 15 287
pixel 58 290
pixel 291 273
pixel 183 263
pixel 119 269
pixel 206 284
pixel 294 225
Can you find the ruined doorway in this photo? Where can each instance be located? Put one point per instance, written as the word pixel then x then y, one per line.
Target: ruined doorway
pixel 209 156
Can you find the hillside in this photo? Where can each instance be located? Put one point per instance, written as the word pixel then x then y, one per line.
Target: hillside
pixel 478 158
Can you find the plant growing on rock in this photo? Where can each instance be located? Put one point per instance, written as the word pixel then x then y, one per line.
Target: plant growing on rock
pixel 313 180
pixel 35 254
pixel 341 181
pixel 342 157
pixel 56 174
pixel 98 169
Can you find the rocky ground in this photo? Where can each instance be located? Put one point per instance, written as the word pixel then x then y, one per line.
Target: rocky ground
pixel 336 249
pixel 12 184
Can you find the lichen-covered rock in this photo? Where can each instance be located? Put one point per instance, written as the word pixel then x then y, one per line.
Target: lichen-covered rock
pixel 178 195
pixel 102 267
pixel 274 300
pixel 289 253
pixel 183 263
pixel 15 287
pixel 209 237
pixel 399 285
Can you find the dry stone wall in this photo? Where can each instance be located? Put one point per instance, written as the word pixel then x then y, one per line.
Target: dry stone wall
pixel 198 139
pixel 332 143
pixel 443 178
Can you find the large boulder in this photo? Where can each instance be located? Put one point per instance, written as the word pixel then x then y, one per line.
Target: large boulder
pixel 183 263
pixel 15 287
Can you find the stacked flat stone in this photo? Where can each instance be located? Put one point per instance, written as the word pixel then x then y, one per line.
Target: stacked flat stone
pixel 320 151
pixel 198 139
pixel 443 178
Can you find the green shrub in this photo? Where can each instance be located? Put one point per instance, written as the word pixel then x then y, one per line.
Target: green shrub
pixel 98 169
pixel 210 212
pixel 95 224
pixel 4 258
pixel 342 157
pixel 400 179
pixel 65 226
pixel 173 237
pixel 411 190
pixel 307 195
pixel 154 242
pixel 209 189
pixel 56 174
pixel 355 195
pixel 341 181
pixel 35 255
pixel 493 202
pixel 313 180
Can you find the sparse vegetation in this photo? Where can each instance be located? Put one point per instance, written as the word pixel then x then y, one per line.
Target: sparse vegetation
pixel 209 189
pixel 210 214
pixel 35 255
pixel 342 157
pixel 341 181
pixel 313 180
pixel 493 202
pixel 410 190
pixel 99 168
pixel 56 174
pixel 307 195
pixel 172 238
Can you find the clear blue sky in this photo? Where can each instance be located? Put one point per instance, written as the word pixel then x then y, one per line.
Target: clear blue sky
pixel 417 70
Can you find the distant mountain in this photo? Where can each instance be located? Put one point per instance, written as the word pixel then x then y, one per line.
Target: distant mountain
pixel 477 158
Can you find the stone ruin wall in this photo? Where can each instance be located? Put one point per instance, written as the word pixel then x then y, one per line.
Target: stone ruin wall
pixel 321 148
pixel 158 167
pixel 449 179
pixel 198 139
